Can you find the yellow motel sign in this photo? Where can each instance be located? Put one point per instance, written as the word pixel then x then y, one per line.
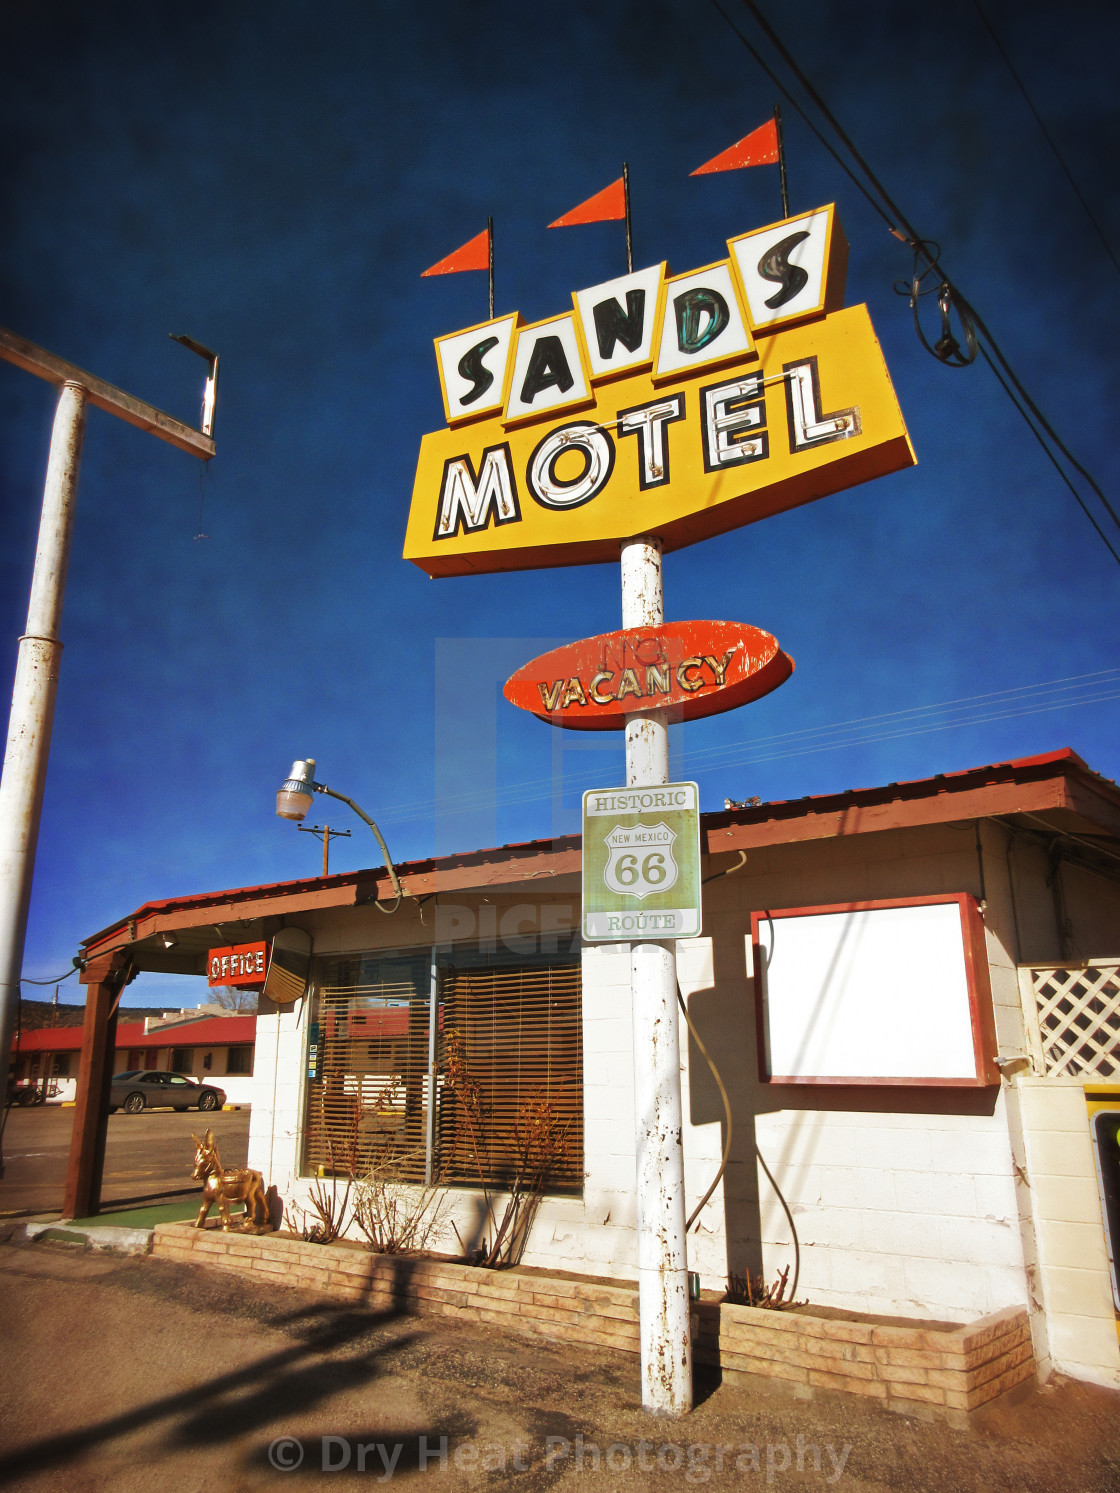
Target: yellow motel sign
pixel 677 405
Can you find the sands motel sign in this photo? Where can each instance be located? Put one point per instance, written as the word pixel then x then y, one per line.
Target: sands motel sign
pixel 677 405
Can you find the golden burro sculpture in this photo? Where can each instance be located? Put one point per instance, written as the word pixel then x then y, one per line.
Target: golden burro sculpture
pixel 237 1184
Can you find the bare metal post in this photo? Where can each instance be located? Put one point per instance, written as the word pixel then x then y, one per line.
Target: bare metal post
pixel 36 682
pixel 33 697
pixel 663 1309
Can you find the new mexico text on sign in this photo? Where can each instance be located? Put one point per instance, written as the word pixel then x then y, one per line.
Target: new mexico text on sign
pixel 677 405
pixel 641 863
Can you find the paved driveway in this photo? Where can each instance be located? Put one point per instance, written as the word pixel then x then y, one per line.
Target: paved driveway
pixel 137 1374
pixel 146 1155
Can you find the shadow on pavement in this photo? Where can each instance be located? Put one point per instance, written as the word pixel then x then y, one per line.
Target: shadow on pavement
pixel 233 1404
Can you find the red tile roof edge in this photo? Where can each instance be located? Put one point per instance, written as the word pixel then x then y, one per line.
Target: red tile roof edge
pixel 1029 768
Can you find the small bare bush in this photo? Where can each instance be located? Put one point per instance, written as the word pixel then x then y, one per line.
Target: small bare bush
pixel 752 1290
pixel 324 1219
pixel 396 1216
pixel 534 1146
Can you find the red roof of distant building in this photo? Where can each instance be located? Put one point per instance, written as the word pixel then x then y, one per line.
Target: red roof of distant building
pixel 214 1031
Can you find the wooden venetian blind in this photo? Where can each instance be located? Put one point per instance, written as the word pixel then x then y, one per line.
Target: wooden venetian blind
pixel 368 1099
pixel 520 1036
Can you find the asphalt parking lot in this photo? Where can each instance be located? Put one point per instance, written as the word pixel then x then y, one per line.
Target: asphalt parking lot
pixel 147 1156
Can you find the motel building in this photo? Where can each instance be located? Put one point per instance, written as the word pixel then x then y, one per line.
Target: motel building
pixel 911 994
pixel 200 1044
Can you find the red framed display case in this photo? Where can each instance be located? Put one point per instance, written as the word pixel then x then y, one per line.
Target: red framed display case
pixel 929 1014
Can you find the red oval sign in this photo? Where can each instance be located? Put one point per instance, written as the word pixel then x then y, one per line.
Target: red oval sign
pixel 691 669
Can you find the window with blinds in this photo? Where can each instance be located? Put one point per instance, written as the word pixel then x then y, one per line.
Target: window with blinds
pixel 520 1040
pixel 517 1027
pixel 367 1093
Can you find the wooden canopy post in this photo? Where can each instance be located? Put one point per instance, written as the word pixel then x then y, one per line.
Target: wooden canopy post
pixel 106 978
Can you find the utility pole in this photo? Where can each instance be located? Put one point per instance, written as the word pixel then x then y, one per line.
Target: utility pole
pixel 40 647
pixel 326 834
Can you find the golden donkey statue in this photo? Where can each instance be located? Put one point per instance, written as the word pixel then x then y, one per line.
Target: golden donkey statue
pixel 238 1184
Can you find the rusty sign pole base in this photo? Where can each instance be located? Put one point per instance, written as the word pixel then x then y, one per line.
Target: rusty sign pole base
pixel 663 1308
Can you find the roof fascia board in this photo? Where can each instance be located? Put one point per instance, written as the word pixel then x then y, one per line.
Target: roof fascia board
pixel 1087 800
pixel 904 812
pixel 549 863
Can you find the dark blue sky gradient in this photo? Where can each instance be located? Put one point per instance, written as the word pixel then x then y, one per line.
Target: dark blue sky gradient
pixel 273 179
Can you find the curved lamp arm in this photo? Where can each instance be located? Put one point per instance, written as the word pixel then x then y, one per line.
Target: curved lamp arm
pixel 361 813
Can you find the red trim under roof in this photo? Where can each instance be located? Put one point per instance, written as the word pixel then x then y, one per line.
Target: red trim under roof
pixel 547 856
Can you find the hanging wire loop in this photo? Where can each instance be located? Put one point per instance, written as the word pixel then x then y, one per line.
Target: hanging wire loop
pixel 947 349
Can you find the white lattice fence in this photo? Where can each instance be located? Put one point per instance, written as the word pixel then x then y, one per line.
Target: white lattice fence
pixel 1073 1019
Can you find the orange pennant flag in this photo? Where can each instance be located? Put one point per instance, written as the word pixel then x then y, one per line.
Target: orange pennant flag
pixel 605 206
pixel 759 148
pixel 474 255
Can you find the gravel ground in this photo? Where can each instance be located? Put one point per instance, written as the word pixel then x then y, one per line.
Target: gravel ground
pixel 129 1373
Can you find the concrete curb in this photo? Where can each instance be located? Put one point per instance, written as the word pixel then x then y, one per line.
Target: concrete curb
pixel 128 1241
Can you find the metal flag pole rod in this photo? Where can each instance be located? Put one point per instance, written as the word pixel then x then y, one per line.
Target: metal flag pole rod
pixel 663 1309
pixel 781 160
pixel 629 229
pixel 490 260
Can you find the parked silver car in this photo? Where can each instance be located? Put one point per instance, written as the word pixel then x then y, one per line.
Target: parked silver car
pixel 136 1090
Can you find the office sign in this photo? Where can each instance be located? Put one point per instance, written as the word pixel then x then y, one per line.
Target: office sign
pixel 238 964
pixel 677 405
pixel 641 863
pixel 691 669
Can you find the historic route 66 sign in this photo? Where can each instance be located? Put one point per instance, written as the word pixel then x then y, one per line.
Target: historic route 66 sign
pixel 641 859
pixel 641 863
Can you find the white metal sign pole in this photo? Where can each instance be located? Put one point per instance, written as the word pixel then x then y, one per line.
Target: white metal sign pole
pixel 33 697
pixel 663 1305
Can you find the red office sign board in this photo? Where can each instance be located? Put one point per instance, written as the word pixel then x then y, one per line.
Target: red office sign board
pixel 691 669
pixel 238 964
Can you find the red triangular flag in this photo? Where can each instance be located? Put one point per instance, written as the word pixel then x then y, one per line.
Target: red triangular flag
pixel 604 207
pixel 474 255
pixel 759 148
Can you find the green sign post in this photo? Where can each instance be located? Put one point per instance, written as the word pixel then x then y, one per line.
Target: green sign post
pixel 641 863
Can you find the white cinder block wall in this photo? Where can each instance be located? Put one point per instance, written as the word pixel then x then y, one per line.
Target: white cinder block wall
pixel 1072 1271
pixel 904 1201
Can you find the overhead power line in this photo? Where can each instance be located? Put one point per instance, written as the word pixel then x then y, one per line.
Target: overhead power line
pixel 1022 87
pixel 881 201
pixel 946 715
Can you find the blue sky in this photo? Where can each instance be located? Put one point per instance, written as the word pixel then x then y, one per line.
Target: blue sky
pixel 273 179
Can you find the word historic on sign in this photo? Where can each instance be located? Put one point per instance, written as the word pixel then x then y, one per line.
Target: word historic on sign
pixel 238 964
pixel 691 669
pixel 676 405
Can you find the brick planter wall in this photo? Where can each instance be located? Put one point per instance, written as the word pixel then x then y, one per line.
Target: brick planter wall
pixel 945 1372
pixel 950 1372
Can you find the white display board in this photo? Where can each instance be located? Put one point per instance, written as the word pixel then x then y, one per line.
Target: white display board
pixel 880 994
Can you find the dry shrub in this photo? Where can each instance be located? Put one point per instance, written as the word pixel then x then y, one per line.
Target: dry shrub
pixel 395 1215
pixel 534 1145
pixel 326 1208
pixel 752 1290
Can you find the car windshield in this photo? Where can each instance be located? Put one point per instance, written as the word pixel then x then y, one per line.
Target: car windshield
pixel 129 1073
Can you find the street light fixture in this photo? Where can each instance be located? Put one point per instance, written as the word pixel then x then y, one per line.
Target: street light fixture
pixel 295 797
